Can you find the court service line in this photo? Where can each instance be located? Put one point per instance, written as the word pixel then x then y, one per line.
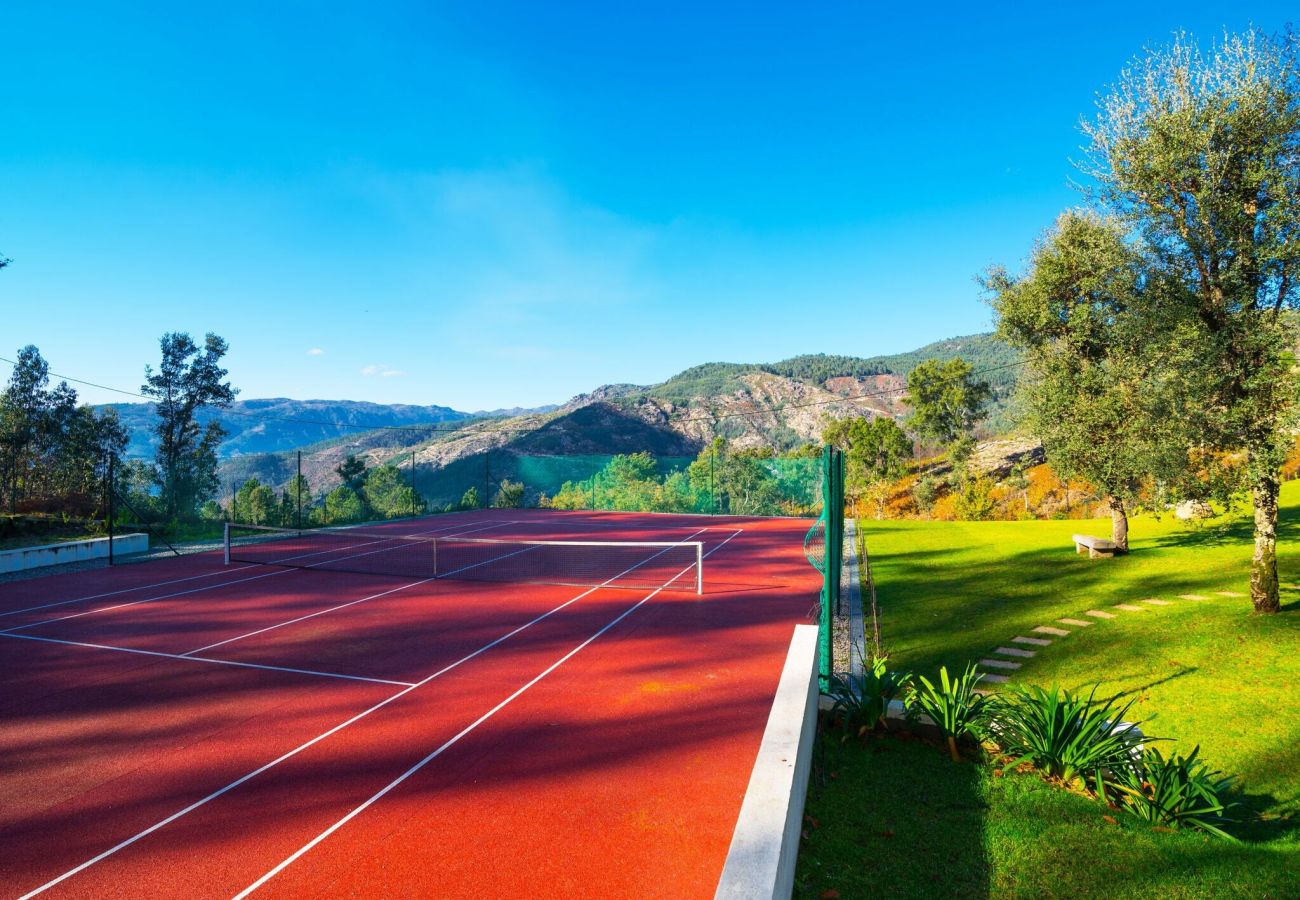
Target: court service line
pixel 202 801
pixel 357 810
pixel 205 659
pixel 397 542
pixel 208 587
pixel 158 584
pixel 321 612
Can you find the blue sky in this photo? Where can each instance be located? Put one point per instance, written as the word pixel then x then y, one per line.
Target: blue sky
pixel 487 205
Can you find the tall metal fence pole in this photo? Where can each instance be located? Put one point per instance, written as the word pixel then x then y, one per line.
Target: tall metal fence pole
pixel 108 501
pixel 298 487
pixel 413 483
pixel 713 484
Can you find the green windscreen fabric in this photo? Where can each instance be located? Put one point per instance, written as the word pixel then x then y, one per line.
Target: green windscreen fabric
pixel 722 483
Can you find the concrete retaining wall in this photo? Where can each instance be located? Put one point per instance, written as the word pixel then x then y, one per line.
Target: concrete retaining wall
pixel 760 863
pixel 72 551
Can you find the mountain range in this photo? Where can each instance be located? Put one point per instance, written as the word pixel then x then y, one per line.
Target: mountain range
pixel 769 405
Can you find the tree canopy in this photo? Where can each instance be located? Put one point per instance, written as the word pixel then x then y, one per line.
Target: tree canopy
pixel 947 402
pixel 1198 154
pixel 188 379
pixel 1100 392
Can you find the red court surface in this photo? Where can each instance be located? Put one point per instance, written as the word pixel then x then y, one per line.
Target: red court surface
pixel 186 728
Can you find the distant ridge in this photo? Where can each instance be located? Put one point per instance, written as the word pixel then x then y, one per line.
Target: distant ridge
pixel 278 423
pixel 769 405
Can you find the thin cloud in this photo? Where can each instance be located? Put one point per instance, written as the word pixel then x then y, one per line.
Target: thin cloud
pixel 373 371
pixel 315 351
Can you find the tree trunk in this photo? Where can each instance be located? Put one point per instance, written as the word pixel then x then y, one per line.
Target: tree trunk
pixel 952 749
pixel 1118 524
pixel 1263 570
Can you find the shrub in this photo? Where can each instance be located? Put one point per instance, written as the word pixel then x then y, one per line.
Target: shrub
pixel 510 495
pixel 1064 735
pixel 975 502
pixel 862 706
pixel 925 492
pixel 1175 792
pixel 954 705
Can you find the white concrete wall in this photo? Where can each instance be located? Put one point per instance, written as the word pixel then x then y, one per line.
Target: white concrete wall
pixel 72 551
pixel 765 844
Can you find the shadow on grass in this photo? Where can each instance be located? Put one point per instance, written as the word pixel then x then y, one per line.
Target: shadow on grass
pixel 892 815
pixel 1143 688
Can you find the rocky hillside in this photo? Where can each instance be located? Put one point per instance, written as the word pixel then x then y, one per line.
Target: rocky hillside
pixel 779 406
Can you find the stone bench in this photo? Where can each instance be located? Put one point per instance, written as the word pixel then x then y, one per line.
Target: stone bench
pixel 1095 546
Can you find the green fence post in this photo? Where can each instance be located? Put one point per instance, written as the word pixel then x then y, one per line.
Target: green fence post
pixel 825 623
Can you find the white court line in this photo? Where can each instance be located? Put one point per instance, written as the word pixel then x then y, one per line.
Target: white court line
pixel 100 609
pixel 158 584
pixel 322 612
pixel 398 541
pixel 142 587
pixel 357 810
pixel 205 659
pixel 320 737
pixel 209 587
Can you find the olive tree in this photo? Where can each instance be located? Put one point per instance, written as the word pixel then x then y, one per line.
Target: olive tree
pixel 1198 153
pixel 1100 391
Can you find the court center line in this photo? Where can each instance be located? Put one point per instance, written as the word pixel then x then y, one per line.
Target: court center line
pixel 142 587
pixel 204 659
pixel 158 584
pixel 207 587
pixel 321 612
pixel 320 737
pixel 357 810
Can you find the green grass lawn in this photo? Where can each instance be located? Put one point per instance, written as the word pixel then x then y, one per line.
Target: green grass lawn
pixel 1207 672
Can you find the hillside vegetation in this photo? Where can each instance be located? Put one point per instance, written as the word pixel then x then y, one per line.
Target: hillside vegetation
pixel 773 406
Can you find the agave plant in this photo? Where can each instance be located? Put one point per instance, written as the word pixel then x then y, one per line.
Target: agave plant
pixel 954 705
pixel 1066 735
pixel 1176 791
pixel 863 703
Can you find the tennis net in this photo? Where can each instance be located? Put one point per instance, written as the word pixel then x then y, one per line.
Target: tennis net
pixel 672 565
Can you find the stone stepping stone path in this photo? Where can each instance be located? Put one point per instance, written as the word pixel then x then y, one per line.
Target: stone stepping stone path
pixel 1003 668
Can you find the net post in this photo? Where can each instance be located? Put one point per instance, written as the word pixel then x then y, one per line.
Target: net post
pixel 225 542
pixel 699 567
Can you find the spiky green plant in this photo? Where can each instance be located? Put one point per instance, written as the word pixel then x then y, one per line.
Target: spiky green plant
pixel 1066 735
pixel 861 704
pixel 953 704
pixel 1175 791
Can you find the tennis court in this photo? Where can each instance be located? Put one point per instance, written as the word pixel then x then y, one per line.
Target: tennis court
pixel 521 702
